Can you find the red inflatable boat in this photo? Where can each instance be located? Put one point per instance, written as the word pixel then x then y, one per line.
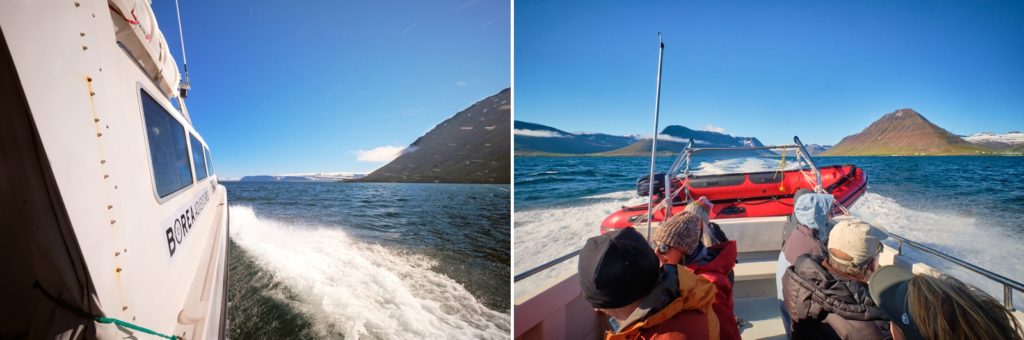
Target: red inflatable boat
pixel 755 194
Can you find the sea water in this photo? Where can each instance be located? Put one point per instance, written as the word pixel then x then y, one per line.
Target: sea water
pixel 969 207
pixel 368 260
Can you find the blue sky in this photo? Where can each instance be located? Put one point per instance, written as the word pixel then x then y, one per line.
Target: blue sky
pixel 770 69
pixel 286 87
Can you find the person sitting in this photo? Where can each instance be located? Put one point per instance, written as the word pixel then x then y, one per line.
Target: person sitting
pixel 678 242
pixel 620 276
pixel 827 297
pixel 927 307
pixel 813 212
pixel 712 233
pixel 791 221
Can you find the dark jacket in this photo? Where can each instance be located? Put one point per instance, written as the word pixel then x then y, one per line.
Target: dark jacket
pixel 722 260
pixel 801 241
pixel 825 305
pixel 679 307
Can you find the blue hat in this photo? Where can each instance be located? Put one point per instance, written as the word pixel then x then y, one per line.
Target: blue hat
pixel 812 210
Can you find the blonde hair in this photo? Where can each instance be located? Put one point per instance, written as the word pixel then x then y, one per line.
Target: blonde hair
pixel 946 308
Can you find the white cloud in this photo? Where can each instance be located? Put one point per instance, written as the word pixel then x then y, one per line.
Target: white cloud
pixel 460 83
pixel 539 133
pixel 385 153
pixel 713 128
pixel 672 138
pixel 664 137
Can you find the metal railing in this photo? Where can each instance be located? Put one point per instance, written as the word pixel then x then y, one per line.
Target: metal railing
pixel 545 265
pixel 1008 284
pixel 802 156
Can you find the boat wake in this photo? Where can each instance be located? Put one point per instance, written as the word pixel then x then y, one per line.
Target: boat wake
pixel 963 237
pixel 545 234
pixel 738 165
pixel 360 290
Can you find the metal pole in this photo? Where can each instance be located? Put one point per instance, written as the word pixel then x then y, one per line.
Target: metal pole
pixel 186 86
pixel 1008 297
pixel 807 157
pixel 670 176
pixel 654 140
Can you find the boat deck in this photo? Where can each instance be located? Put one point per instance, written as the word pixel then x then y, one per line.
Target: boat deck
pixel 761 316
pixel 754 298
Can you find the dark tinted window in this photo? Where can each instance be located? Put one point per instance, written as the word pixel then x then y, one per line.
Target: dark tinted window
pixel 197 158
pixel 209 161
pixel 167 148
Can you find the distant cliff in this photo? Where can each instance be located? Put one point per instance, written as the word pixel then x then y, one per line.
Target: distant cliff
pixel 307 177
pixel 816 149
pixel 1012 141
pixel 674 139
pixel 531 138
pixel 470 147
pixel 904 132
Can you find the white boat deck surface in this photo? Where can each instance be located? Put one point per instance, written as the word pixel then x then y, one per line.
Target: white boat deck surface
pixel 761 316
pixel 754 298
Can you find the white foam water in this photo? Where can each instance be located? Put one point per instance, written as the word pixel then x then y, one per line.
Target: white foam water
pixel 363 290
pixel 741 165
pixel 991 246
pixel 546 234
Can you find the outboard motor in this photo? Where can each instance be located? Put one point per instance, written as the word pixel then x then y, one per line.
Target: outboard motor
pixel 643 186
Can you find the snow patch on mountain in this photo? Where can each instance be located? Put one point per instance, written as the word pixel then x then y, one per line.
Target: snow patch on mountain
pixel 1014 137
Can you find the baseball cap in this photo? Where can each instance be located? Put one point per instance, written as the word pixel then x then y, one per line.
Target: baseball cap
pixel 617 268
pixel 856 238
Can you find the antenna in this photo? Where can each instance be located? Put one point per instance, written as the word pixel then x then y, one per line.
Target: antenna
pixel 654 141
pixel 186 86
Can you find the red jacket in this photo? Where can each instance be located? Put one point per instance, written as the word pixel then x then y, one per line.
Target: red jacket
pixel 689 316
pixel 717 271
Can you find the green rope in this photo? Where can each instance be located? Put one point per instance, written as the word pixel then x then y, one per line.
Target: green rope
pixel 138 328
pixel 86 315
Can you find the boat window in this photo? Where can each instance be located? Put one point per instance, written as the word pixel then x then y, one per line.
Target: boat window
pixel 209 161
pixel 167 148
pixel 197 158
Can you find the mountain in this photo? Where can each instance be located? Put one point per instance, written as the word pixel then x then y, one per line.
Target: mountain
pixel 534 138
pixel 1008 141
pixel 815 149
pixel 674 138
pixel 310 177
pixel 904 132
pixel 470 147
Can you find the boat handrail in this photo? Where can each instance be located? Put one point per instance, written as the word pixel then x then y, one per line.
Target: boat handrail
pixel 1008 284
pixel 685 156
pixel 745 148
pixel 545 265
pixel 807 157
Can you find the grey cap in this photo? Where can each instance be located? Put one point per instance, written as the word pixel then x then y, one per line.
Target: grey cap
pixel 888 287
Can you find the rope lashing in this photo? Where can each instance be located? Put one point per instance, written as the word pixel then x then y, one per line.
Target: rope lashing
pixel 86 315
pixel 136 327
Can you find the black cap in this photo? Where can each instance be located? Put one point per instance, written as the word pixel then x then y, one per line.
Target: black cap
pixel 617 268
pixel 888 287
